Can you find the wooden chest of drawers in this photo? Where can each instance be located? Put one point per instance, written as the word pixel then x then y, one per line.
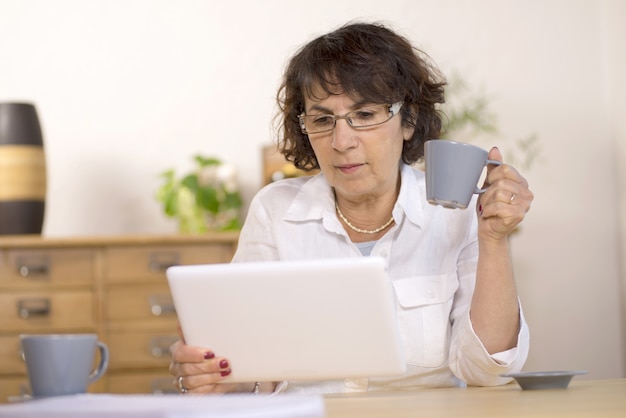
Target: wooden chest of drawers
pixel 112 286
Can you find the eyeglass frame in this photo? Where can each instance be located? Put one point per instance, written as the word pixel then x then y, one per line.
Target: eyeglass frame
pixel 394 109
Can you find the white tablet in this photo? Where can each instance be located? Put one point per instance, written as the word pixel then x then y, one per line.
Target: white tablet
pixel 292 320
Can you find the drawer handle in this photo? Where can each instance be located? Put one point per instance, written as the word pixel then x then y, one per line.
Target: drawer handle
pixel 159 262
pixel 29 308
pixel 161 305
pixel 34 268
pixel 160 346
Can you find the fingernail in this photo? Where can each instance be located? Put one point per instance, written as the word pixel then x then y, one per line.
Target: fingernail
pixel 224 364
pixel 480 209
pixel 209 355
pixel 225 372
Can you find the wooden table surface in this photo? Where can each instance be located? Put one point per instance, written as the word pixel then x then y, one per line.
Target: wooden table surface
pixel 583 398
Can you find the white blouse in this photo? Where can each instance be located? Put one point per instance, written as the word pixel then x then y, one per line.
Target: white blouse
pixel 432 254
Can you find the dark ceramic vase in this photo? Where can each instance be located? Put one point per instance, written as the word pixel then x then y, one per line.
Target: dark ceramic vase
pixel 22 170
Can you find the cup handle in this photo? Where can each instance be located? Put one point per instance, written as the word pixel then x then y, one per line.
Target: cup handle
pixel 103 365
pixel 492 162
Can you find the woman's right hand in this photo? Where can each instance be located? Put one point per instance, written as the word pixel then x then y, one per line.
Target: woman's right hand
pixel 197 370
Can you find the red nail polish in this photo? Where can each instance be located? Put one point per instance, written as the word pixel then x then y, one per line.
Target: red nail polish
pixel 225 372
pixel 480 209
pixel 224 364
pixel 209 355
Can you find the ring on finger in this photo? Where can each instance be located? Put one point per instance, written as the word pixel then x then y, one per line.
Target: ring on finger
pixel 181 387
pixel 513 196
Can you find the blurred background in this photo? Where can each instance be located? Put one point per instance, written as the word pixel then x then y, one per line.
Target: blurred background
pixel 126 89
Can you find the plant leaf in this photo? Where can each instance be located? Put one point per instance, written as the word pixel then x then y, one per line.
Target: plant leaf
pixel 206 198
pixel 191 182
pixel 232 200
pixel 204 161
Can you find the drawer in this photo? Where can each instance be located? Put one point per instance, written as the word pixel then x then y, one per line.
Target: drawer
pixel 58 311
pixel 11 361
pixel 148 264
pixel 130 350
pixel 140 303
pixel 146 382
pixel 36 268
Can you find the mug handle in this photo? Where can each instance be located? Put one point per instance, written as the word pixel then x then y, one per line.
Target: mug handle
pixel 102 366
pixel 492 162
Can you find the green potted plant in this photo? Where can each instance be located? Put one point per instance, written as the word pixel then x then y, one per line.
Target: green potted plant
pixel 206 199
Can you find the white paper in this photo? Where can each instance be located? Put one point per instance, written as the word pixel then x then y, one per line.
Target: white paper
pixel 168 406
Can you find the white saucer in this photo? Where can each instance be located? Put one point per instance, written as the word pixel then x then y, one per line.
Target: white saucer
pixel 544 380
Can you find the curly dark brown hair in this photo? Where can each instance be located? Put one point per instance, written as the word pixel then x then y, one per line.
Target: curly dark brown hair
pixel 366 61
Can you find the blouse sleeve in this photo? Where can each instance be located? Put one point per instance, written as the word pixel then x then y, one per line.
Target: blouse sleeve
pixel 469 360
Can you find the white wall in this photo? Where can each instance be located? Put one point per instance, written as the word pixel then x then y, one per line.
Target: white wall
pixel 615 68
pixel 128 88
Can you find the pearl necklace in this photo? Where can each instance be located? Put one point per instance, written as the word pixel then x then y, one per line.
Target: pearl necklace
pixel 362 231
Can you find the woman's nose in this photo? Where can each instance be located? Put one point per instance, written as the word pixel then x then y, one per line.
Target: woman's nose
pixel 343 135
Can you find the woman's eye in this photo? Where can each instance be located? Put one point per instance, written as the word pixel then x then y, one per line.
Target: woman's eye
pixel 364 114
pixel 323 120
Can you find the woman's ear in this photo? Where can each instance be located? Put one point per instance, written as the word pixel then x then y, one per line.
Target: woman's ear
pixel 408 125
pixel 408 133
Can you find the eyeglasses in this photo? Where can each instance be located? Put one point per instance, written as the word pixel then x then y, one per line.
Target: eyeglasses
pixel 365 117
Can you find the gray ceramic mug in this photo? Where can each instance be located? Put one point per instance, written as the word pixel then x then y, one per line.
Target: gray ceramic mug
pixel 63 364
pixel 452 172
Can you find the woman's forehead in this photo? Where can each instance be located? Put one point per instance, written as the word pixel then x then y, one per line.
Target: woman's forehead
pixel 333 103
pixel 317 93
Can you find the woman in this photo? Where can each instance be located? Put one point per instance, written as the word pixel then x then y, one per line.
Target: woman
pixel 359 103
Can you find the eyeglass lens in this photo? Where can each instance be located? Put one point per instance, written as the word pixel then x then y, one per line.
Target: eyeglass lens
pixel 361 118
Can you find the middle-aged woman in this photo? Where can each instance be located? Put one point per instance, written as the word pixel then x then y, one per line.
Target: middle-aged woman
pixel 359 103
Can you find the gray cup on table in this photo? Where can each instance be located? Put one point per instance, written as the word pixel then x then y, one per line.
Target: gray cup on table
pixel 63 364
pixel 452 172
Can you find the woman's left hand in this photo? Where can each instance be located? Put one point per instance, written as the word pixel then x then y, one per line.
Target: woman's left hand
pixel 505 202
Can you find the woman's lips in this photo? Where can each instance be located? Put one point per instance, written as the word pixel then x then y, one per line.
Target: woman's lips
pixel 349 168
